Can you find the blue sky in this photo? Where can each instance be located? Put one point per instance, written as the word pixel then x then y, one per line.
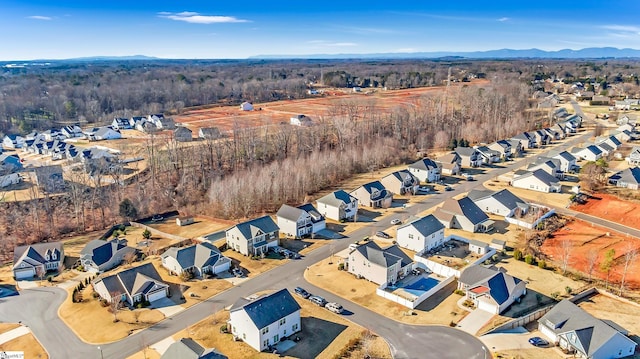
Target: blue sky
pixel 39 29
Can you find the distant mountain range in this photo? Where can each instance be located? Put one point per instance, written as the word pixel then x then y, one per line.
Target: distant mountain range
pixel 587 53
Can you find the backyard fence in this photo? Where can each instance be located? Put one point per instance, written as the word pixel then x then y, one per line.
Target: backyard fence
pixel 443 270
pixel 527 224
pixel 412 304
pixel 521 321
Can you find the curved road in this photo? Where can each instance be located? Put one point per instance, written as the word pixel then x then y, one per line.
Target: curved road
pixel 406 341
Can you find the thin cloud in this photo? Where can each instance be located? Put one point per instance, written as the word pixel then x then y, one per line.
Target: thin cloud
pixel 623 28
pixel 331 43
pixel 503 19
pixel 196 18
pixel 39 17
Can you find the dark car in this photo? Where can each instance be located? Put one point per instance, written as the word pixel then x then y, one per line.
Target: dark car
pixel 302 292
pixel 382 234
pixel 239 273
pixel 448 188
pixel 157 218
pixel 538 342
pixel 318 300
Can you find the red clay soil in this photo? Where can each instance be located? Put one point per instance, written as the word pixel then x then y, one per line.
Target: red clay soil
pixel 613 209
pixel 585 238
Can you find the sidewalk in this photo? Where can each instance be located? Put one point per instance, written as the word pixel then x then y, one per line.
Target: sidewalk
pixel 14 333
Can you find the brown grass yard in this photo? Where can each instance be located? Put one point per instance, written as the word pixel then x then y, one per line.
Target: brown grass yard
pixel 26 343
pixel 5 327
pixel 201 226
pixel 253 267
pixel 540 280
pixel 441 308
pixel 622 313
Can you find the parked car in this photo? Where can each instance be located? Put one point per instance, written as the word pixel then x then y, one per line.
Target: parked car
pixel 318 300
pixel 538 342
pixel 424 189
pixel 382 234
pixel 301 292
pixel 448 188
pixel 334 307
pixel 157 218
pixel 396 221
pixel 237 272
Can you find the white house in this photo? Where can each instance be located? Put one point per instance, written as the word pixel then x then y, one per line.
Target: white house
pixel 134 285
pixel 538 180
pixel 373 194
pixel 588 153
pixel 627 178
pixel 503 147
pixel 470 157
pixel 401 182
pixel 200 259
pixel 426 170
pixel 102 134
pixel 38 258
pixel 577 331
pixel 266 320
pixel 550 165
pixel 120 123
pixel 71 131
pixel 463 214
pixel 338 205
pixel 161 122
pixel 209 133
pixel 421 234
pixel 489 156
pixel 502 203
pixel 491 289
pixel 450 164
pixel 300 221
pixel 246 106
pixel 254 237
pixel 301 120
pixel 567 161
pixel 378 265
pixel 478 247
pixel 13 141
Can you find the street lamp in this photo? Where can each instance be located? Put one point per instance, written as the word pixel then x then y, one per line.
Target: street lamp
pixel 102 357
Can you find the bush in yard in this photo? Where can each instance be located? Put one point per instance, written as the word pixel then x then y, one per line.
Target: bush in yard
pixel 542 264
pixel 495 258
pixel 555 295
pixel 224 329
pixel 104 303
pixel 568 290
pixel 528 259
pixel 186 275
pixel 459 292
pixel 341 266
pixel 517 254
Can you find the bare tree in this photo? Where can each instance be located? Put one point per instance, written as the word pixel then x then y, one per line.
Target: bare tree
pixel 115 304
pixel 40 272
pixel 630 255
pixel 566 248
pixel 368 340
pixel 592 260
pixel 129 258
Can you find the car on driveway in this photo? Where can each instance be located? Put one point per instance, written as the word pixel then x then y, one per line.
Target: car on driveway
pixel 318 300
pixel 396 221
pixel 301 292
pixel 382 234
pixel 538 342
pixel 237 272
pixel 448 188
pixel 334 307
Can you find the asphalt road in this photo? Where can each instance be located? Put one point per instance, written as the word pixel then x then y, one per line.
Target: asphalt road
pixel 406 341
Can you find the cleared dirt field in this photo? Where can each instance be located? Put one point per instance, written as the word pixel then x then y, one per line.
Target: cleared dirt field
pixel 584 238
pixel 200 227
pixel 228 117
pixel 613 209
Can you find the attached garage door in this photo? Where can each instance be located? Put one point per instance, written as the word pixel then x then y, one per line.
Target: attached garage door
pixel 25 273
pixel 157 295
pixel 222 268
pixel 487 307
pixel 548 333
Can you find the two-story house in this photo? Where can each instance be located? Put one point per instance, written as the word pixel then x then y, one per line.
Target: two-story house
pixel 634 156
pixel 254 237
pixel 489 156
pixel 373 194
pixel 401 182
pixel 469 156
pixel 266 320
pixel 567 161
pixel 463 214
pixel 450 164
pixel 300 221
pixel 199 259
pixel 426 170
pixel 37 259
pixel 378 265
pixel 503 202
pixel 421 234
pixel 526 139
pixel 503 147
pixel 588 153
pixel 550 165
pixel 120 123
pixel 338 205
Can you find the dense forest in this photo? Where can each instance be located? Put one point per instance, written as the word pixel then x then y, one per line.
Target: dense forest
pixel 257 169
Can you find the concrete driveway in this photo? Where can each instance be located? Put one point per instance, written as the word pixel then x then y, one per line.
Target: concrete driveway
pixel 475 320
pixel 509 341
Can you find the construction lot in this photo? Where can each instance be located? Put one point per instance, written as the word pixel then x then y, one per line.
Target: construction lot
pixel 610 207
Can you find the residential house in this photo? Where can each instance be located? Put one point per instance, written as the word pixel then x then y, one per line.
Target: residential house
pixel 13 141
pixel 300 221
pixel 301 120
pixel 588 153
pixel 9 179
pixel 374 195
pixel 10 162
pixel 491 289
pixel 134 121
pixel 601 100
pixel 426 170
pixel 50 179
pixel 555 133
pixel 421 234
pixel 488 155
pixel 498 244
pixel 338 205
pixel 503 202
pixel 100 255
pixel 134 285
pixel 187 348
pixel 605 148
pixel 629 119
pixel 538 180
pixel 120 123
pixel 567 161
pixel 527 140
pixel 401 182
pixel 209 133
pixel 463 214
pixel 71 131
pixel 162 122
pixel 254 237
pixel 550 165
pixel 52 135
pixel 503 147
pixel 246 106
pixel 450 164
pixel 542 137
pixel 37 259
pixel 634 156
pixel 102 133
pixel 516 147
pixel 378 265
pixel 623 136
pixel 199 259
pixel 627 178
pixel 580 333
pixel 469 156
pixel 266 320
pixel 559 113
pixel 146 126
pixel 561 128
pixel 610 140
pixel 182 134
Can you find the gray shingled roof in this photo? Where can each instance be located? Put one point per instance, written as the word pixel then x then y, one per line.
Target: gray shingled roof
pixel 424 164
pixel 198 255
pixel 187 348
pixel 403 175
pixel 336 198
pixel 465 151
pixel 35 254
pixel 289 212
pixel 313 212
pixel 268 309
pixel 383 257
pixel 425 225
pixel 465 207
pixel 496 280
pixel 629 175
pixel 249 229
pixel 539 174
pixel 102 251
pixel 133 281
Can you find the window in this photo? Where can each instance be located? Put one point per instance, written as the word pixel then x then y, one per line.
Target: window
pixel 265 343
pixel 410 236
pixel 244 336
pixel 265 330
pixel 294 327
pixel 276 338
pixel 282 321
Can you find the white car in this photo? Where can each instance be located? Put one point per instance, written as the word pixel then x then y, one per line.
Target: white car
pixel 334 307
pixel 396 221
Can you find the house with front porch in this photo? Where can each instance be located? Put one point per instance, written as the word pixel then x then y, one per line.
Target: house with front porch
pixel 469 156
pixel 254 237
pixel 463 214
pixel 491 289
pixel 426 170
pixel 266 320
pixel 401 182
pixel 503 147
pixel 450 164
pixel 573 329
pixel 199 259
pixel 301 221
pixel 338 205
pixel 378 265
pixel 37 259
pixel 374 195
pixel 134 285
pixel 421 234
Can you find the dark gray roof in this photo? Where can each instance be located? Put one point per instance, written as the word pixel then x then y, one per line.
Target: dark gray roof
pixel 565 155
pixel 187 348
pixel 383 257
pixel 198 255
pixel 36 253
pixel 268 309
pixel 476 274
pixel 539 174
pixel 424 164
pixel 629 175
pixel 591 333
pixel 477 194
pixel 465 151
pixel 514 142
pixel 369 187
pixel 264 224
pixel 404 175
pixel 425 225
pixel 289 212
pixel 133 281
pixel 605 146
pixel 405 260
pixel 465 207
pixel 487 151
pixel 594 149
pixel 497 280
pixel 102 251
pixel 504 144
pixel 337 198
pixel 313 212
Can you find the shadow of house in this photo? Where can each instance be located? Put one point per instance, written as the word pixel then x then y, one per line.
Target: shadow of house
pixel 434 300
pixel 530 302
pixel 317 334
